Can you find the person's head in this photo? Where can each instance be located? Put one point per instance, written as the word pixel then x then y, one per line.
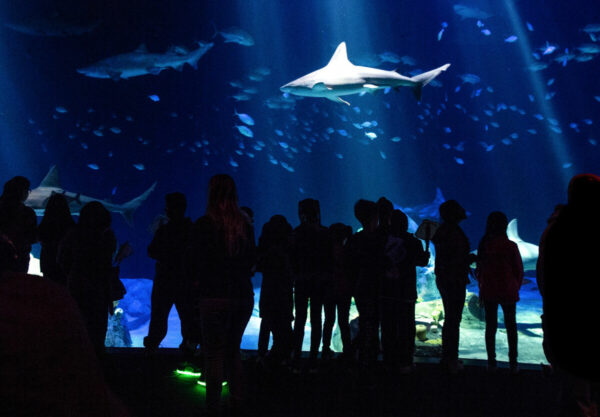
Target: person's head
pixel 399 222
pixel 175 205
pixel 16 190
pixel 340 233
pixel 365 212
pixel 94 216
pixel 496 225
pixel 57 209
pixel 385 208
pixel 584 192
pixel 452 212
pixel 276 230
pixel 223 209
pixel 309 211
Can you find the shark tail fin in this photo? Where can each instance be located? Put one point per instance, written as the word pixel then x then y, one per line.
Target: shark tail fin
pixel 131 206
pixel 422 80
pixel 512 230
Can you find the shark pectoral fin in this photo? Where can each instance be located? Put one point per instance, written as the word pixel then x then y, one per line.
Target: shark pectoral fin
pixel 154 70
pixel 338 100
pixel 114 75
pixel 321 87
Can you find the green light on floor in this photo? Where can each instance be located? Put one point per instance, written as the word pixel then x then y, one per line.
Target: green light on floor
pixel 187 373
pixel 203 383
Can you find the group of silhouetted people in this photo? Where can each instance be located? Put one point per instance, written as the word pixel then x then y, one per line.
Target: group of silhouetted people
pixel 205 267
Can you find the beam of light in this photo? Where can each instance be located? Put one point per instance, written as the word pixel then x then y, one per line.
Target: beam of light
pixel 187 374
pixel 560 151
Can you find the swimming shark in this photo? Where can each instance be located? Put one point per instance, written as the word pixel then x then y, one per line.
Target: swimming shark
pixel 529 252
pixel 38 198
pixel 142 62
pixel 340 77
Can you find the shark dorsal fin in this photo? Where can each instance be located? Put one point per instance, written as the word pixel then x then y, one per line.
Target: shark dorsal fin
pixel 340 56
pixel 142 48
pixel 51 178
pixel 513 231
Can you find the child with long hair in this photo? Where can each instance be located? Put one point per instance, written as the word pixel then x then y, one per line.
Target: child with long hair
pixel 220 261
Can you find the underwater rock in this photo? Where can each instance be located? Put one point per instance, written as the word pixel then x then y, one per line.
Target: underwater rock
pixel 421 332
pixel 117 334
pixel 474 307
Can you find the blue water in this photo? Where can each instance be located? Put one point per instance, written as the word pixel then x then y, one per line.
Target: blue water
pixel 504 128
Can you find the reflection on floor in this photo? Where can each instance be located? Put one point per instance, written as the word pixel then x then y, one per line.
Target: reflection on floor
pixel 136 315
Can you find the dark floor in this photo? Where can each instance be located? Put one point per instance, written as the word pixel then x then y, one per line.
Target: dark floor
pixel 149 387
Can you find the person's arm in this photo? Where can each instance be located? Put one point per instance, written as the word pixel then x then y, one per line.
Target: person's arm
pixel 156 247
pixel 421 256
pixel 517 264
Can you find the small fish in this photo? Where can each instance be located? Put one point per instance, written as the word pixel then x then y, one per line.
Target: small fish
pixel 480 24
pixel 371 135
pixel 556 129
pixel 506 141
pixel 459 161
pixel 488 148
pixel 550 82
pixel 342 132
pixel 446 146
pixel 531 98
pixel 567 165
pixel 94 167
pixel 241 97
pixel 532 131
pixel 486 32
pixel 98 133
pixel 284 145
pixel 548 49
pixel 155 98
pixel 514 135
pixel 114 191
pixel 511 39
pixel 494 124
pixel 339 156
pixel 244 130
pixel 278 132
pixel 383 155
pixel 538 116
pixel 233 163
pixel 139 167
pixel 84 145
pixel 115 130
pixel 61 109
pixel 529 26
pixel 244 118
pixel 588 122
pixel 287 167
pixel 597 98
pixel 447 129
pixel 396 139
pixel 440 34
pixel 592 142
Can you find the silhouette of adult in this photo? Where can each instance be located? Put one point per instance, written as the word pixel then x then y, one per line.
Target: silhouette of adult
pixel 85 255
pixel 220 258
pixel 500 275
pixel 55 225
pixel 571 284
pixel 311 264
pixel 451 277
pixel 403 253
pixel 18 223
pixel 276 293
pixel 365 260
pixel 170 286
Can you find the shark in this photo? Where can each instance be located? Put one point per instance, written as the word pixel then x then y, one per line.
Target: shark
pixel 529 251
pixel 38 198
pixel 141 62
pixel 340 77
